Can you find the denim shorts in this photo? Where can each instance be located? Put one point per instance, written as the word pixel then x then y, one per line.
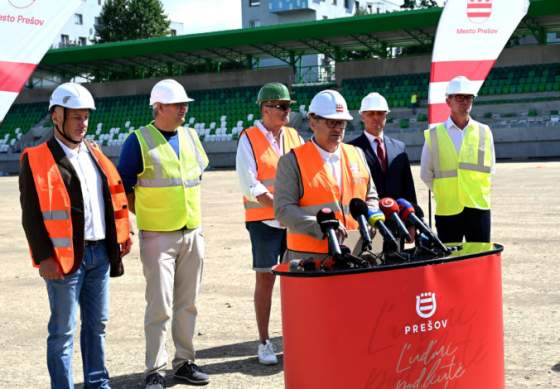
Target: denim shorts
pixel 268 245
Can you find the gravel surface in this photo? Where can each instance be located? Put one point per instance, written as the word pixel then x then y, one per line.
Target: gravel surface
pixel 526 214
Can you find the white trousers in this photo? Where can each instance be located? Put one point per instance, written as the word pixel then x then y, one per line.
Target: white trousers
pixel 172 263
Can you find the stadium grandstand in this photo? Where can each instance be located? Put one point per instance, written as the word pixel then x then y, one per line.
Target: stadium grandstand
pixel 388 53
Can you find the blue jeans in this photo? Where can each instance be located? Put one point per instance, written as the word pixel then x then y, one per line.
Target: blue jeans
pixel 88 287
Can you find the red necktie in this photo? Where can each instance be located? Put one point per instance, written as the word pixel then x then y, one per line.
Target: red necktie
pixel 381 155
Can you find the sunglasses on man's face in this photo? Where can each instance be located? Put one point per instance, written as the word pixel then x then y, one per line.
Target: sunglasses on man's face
pixel 333 123
pixel 280 107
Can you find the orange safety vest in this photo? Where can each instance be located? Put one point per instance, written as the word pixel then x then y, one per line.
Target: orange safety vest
pixel 54 200
pixel 320 190
pixel 266 160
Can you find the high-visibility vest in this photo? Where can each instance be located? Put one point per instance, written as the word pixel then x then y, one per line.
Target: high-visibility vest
pixel 54 201
pixel 464 179
pixel 266 161
pixel 320 190
pixel 167 193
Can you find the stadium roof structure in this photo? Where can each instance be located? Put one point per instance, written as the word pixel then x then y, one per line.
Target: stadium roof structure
pixel 338 39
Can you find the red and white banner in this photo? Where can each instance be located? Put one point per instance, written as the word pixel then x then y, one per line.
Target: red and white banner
pixel 470 36
pixel 27 28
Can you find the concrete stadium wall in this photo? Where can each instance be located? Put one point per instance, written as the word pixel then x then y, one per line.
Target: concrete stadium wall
pixel 511 144
pixel 517 56
pixel 227 79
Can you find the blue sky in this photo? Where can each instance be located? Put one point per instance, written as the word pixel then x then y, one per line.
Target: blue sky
pixel 204 15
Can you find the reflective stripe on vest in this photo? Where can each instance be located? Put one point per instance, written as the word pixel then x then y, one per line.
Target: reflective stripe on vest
pixel 320 190
pixel 266 160
pixel 54 201
pixel 460 180
pixel 167 193
pixel 55 215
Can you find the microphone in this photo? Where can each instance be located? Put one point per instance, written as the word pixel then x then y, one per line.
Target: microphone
pixel 299 265
pixel 376 219
pixel 408 214
pixel 359 211
pixel 329 224
pixel 391 210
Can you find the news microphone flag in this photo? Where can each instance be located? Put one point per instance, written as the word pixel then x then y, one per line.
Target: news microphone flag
pixel 28 29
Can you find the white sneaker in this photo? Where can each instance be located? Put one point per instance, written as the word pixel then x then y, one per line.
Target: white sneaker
pixel 267 354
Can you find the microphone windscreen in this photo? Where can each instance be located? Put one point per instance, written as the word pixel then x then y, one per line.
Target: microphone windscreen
pixel 405 207
pixel 325 214
pixel 388 206
pixel 358 207
pixel 375 216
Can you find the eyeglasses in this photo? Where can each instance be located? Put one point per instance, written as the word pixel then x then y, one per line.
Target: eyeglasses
pixel 461 98
pixel 333 123
pixel 280 107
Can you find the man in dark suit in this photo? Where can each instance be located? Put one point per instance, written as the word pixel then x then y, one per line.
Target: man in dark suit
pixel 386 157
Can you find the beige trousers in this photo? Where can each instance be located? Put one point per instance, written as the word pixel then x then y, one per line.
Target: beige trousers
pixel 172 263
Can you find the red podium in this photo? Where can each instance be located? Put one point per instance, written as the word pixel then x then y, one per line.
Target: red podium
pixel 427 324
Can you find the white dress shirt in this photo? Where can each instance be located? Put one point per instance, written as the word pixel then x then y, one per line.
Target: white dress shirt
pixel 246 167
pixel 373 143
pixel 456 134
pixel 92 190
pixel 333 161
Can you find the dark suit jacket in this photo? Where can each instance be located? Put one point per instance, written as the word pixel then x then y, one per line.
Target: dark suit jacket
pixel 397 182
pixel 39 242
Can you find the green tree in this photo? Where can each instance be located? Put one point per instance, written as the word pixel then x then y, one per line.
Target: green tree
pixel 122 20
pixel 361 11
pixel 412 4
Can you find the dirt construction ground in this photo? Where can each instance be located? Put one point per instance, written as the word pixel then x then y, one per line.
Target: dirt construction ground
pixel 526 214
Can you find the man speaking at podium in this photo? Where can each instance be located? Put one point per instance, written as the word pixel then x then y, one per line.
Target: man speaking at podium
pixel 322 173
pixel 457 164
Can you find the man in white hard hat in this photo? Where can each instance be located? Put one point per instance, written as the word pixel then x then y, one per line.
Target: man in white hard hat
pixel 457 164
pixel 162 165
pixel 75 217
pixel 322 173
pixel 258 151
pixel 386 157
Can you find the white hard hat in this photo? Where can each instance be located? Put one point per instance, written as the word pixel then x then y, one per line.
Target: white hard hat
pixel 374 102
pixel 73 96
pixel 168 92
pixel 460 85
pixel 330 104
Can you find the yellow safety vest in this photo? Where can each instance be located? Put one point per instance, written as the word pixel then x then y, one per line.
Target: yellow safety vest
pixel 464 179
pixel 167 194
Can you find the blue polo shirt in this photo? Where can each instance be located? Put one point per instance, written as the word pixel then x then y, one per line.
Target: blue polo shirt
pixel 130 161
